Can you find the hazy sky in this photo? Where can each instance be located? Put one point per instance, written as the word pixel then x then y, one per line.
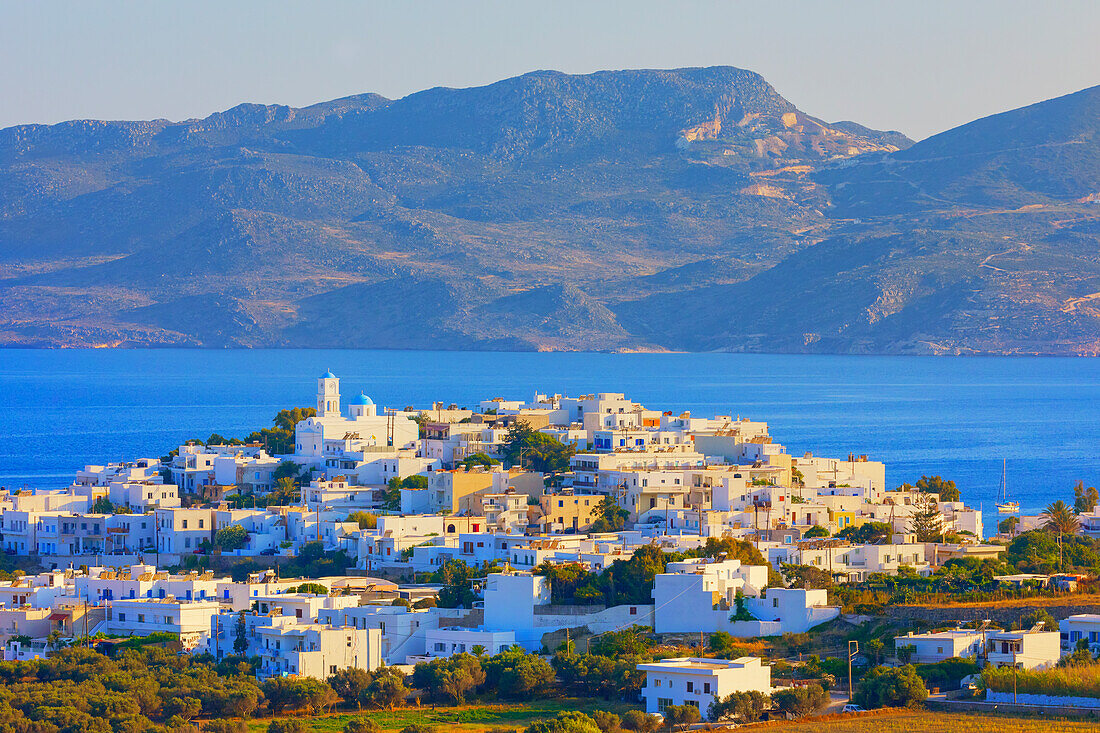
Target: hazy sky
pixel 919 66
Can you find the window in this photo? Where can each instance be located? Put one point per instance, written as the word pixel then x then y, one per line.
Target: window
pixel 633 610
pixel 690 686
pixel 122 617
pixel 663 703
pixel 184 524
pixel 706 688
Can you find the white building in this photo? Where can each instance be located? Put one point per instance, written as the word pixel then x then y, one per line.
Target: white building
pixel 364 427
pixel 144 616
pixel 315 650
pixel 699 682
pixel 446 642
pixel 1031 649
pixel 1080 627
pixel 940 645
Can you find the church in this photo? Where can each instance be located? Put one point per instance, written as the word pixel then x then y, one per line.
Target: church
pixel 330 434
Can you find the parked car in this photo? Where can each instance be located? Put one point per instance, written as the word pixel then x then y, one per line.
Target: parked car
pixel 850 708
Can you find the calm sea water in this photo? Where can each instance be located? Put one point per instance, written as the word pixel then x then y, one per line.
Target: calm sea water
pixel 958 417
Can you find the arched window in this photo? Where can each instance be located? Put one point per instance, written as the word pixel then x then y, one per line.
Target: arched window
pixel 451 528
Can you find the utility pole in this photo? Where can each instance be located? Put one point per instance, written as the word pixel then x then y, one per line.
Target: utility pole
pixel 853 650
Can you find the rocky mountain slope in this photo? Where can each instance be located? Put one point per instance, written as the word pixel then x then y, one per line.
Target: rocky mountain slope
pixel 682 209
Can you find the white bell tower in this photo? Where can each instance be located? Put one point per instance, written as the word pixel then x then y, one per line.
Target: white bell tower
pixel 328 395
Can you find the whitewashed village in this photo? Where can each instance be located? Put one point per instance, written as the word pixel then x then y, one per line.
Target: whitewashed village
pixel 379 537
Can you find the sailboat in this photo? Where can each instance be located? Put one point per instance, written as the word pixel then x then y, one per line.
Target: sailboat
pixel 1006 506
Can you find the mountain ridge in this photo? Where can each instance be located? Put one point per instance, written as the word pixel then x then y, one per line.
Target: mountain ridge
pixel 686 209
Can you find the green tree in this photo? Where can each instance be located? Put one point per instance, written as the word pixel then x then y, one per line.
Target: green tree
pixel 528 448
pixel 815 531
pixel 365 520
pixel 240 636
pixel 607 722
pixel 806 576
pixel 944 489
pixel 798 702
pixel 641 722
pixel 350 684
pixel 1060 519
pixel 103 505
pixel 1008 525
pixel 516 674
pixel 479 459
pixel 927 521
pixel 745 707
pixel 677 716
pixel 891 687
pixel 387 689
pixel 232 537
pixel 449 679
pixel 868 533
pixel 1084 499
pixel 905 653
pixel 612 517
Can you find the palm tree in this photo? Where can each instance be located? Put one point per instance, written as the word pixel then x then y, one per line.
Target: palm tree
pixel 1059 518
pixel 478 650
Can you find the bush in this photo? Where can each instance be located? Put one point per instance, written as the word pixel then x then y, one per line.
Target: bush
pixel 948 673
pixel 418 728
pixel 571 722
pixel 1074 681
pixel 606 721
pixel 362 725
pixel 287 725
pixel 639 721
pixel 799 702
pixel 746 707
pixel 891 687
pixel 681 715
pixel 516 674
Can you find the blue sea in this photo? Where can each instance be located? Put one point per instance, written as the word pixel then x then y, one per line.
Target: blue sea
pixel 957 417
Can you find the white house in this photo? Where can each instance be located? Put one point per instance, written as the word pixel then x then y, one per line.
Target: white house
pixel 1031 649
pixel 700 595
pixel 940 645
pixel 699 682
pixel 315 650
pixel 1081 626
pixel 144 616
pixel 448 641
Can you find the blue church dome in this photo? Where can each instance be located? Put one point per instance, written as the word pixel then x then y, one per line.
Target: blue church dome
pixel 328 375
pixel 362 399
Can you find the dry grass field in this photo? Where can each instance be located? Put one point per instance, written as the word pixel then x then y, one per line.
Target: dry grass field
pixel 516 716
pixel 923 721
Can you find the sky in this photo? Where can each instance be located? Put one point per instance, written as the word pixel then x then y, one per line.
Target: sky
pixel 918 66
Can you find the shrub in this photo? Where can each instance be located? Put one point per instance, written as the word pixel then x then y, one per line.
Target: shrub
pixel 418 728
pixel 799 702
pixel 891 687
pixel 287 725
pixel 681 715
pixel 362 725
pixel 606 721
pixel 639 721
pixel 571 722
pixel 1081 680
